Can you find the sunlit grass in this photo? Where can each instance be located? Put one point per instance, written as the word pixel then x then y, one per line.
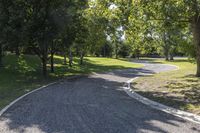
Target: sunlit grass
pixel 180 88
pixel 21 75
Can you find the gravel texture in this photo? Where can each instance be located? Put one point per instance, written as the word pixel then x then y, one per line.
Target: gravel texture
pixel 91 104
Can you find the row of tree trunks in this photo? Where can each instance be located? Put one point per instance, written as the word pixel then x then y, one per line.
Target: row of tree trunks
pixel 168 55
pixel 52 60
pixel 70 57
pixel 44 59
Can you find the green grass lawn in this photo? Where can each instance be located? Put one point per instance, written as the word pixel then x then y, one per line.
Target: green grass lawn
pixel 179 89
pixel 21 75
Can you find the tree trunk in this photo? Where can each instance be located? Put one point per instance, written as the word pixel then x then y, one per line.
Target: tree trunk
pixel 171 57
pixel 138 54
pixel 196 35
pixel 198 64
pixel 52 57
pixel 104 51
pixel 70 58
pixel 44 59
pixel 116 52
pixel 1 55
pixel 172 53
pixel 52 62
pixel 116 56
pixel 165 47
pixel 44 67
pixel 17 52
pixel 166 57
pixel 65 57
pixel 77 51
pixel 81 58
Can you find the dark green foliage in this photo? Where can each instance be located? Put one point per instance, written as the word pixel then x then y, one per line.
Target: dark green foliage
pixel 102 27
pixel 106 50
pixel 124 51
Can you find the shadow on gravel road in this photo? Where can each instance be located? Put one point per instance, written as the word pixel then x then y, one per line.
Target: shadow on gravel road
pixel 93 104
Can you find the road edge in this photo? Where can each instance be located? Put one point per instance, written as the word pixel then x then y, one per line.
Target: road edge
pixel 179 113
pixel 2 111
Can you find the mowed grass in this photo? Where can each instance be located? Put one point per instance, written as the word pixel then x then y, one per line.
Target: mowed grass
pixel 24 74
pixel 179 89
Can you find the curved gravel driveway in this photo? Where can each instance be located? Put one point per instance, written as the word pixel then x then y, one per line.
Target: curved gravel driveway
pixel 93 104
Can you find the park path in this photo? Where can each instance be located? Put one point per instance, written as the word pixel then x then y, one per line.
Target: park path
pixel 92 104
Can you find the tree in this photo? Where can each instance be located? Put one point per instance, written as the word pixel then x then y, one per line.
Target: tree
pixel 42 28
pixel 17 20
pixel 97 16
pixel 67 17
pixel 54 46
pixel 4 27
pixel 115 29
pixel 81 28
pixel 81 42
pixel 182 11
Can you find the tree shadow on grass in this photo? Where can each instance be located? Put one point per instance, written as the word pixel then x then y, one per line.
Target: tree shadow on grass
pixel 190 76
pixel 180 94
pixel 89 66
pixel 188 87
pixel 88 104
pixel 21 75
pixel 162 97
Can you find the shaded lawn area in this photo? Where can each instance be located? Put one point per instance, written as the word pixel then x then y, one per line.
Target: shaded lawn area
pixel 23 74
pixel 179 89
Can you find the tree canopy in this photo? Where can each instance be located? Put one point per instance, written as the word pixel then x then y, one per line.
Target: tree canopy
pixel 114 28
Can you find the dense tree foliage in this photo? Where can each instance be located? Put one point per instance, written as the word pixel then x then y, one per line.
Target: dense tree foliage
pixel 108 28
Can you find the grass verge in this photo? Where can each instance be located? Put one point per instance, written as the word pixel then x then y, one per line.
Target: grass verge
pixel 179 89
pixel 23 74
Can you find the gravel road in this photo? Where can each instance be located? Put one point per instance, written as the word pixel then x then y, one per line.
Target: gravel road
pixel 92 104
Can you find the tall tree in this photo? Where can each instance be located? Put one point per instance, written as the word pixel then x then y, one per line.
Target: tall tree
pixel 81 28
pixel 17 13
pixel 182 11
pixel 42 28
pixel 4 26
